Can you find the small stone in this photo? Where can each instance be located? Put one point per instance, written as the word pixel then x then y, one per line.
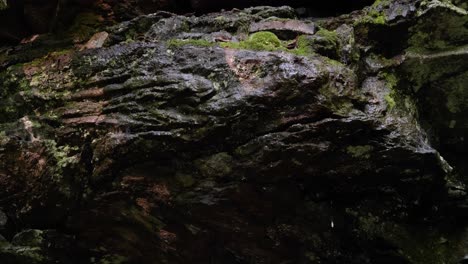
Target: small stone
pixel 96 41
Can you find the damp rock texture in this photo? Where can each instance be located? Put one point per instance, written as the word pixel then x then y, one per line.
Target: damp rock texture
pixel 257 135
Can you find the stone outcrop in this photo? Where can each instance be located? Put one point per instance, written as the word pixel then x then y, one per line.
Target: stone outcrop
pixel 197 139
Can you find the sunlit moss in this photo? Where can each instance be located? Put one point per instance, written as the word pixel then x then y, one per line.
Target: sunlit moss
pixel 264 40
pixel 391 81
pixel 268 41
pixel 390 101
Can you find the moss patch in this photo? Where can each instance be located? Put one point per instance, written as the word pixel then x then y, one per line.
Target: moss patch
pixel 390 101
pixel 324 42
pixel 303 46
pixel 268 41
pixel 331 36
pixel 391 81
pixel 264 40
pixel 438 31
pixel 374 15
pixel 174 43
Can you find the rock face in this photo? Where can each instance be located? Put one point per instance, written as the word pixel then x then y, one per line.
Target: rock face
pixel 196 139
pixel 20 18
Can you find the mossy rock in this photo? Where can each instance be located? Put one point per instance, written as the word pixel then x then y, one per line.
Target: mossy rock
pixel 324 42
pixel 260 41
pixel 268 41
pixel 439 31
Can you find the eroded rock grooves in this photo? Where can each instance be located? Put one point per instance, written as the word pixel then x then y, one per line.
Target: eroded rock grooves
pixel 247 136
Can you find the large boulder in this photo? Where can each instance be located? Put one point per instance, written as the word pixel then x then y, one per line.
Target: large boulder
pixel 204 139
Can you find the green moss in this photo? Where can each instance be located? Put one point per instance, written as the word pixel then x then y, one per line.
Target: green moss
pixel 391 81
pixel 174 43
pixel 379 20
pixel 184 26
pixel 377 17
pixel 339 104
pixel 438 31
pixel 390 101
pixel 334 62
pixel 268 41
pixel 359 151
pixel 373 16
pixel 327 34
pixel 380 3
pixel 324 41
pixel 264 40
pixel 220 20
pixel 38 62
pixel 64 158
pixel 242 25
pixel 304 47
pixel 377 6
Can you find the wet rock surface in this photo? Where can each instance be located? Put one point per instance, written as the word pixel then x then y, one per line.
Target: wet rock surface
pixel 246 136
pixel 19 20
